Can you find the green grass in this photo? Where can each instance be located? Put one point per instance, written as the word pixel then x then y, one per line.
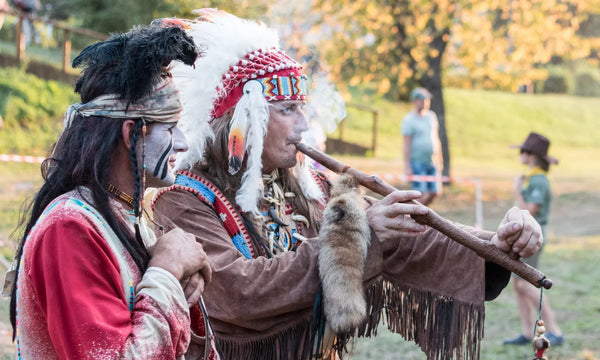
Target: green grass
pixel 32 110
pixel 18 183
pixel 481 126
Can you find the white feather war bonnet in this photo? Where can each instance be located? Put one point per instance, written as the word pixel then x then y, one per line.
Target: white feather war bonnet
pixel 242 69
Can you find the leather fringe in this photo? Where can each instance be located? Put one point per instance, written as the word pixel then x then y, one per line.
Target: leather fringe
pixel 292 343
pixel 443 328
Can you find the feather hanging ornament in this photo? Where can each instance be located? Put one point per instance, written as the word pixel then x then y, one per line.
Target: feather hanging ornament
pixel 252 110
pixel 241 123
pixel 237 141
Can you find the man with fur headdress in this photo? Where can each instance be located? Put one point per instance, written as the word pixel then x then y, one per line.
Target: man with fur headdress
pixel 93 282
pixel 285 247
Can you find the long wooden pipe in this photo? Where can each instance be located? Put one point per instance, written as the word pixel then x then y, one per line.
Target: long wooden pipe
pixel 481 247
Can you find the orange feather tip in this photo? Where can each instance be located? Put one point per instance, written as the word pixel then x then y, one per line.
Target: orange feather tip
pixel 235 148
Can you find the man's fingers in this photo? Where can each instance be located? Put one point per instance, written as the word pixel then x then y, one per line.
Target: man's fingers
pixel 401 196
pixel 184 282
pixel 206 272
pixel 529 240
pixel 530 248
pixel 503 245
pixel 404 223
pixel 408 234
pixel 194 289
pixel 396 209
pixel 193 299
pixel 509 232
pixel 188 289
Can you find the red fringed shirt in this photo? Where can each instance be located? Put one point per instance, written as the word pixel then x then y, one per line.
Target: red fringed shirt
pixel 73 297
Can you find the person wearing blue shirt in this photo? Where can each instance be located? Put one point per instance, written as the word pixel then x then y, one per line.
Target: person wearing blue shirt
pixel 422 146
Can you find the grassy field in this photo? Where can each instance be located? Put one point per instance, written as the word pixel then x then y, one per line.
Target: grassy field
pixel 481 125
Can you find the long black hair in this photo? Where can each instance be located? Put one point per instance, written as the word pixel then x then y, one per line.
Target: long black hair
pixel 128 65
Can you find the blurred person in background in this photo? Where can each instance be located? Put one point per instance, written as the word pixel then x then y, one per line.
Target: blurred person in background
pixel 422 146
pixel 533 193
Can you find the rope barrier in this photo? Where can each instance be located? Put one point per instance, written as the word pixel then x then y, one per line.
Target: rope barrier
pixel 21 158
pixel 428 178
pixel 387 177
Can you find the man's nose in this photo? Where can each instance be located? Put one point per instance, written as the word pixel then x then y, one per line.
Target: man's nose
pixel 180 143
pixel 302 123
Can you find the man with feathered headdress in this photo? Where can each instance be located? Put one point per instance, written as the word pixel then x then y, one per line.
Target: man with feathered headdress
pixel 278 292
pixel 87 284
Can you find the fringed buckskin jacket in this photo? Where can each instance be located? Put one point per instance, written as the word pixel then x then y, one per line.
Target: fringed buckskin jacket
pixel 430 289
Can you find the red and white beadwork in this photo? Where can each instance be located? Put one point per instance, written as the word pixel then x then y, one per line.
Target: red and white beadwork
pixel 280 75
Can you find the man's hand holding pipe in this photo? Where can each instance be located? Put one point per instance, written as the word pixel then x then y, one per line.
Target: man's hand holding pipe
pixel 518 232
pixel 390 217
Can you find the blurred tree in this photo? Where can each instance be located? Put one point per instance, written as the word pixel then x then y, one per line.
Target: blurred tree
pixel 400 44
pixel 109 16
pixel 55 9
pixel 251 9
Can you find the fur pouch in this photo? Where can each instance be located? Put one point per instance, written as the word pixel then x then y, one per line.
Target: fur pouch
pixel 344 240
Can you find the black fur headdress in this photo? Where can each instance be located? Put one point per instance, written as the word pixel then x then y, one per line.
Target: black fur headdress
pixel 131 64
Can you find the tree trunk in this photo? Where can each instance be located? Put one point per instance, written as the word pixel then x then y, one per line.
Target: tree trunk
pixel 432 81
pixel 437 106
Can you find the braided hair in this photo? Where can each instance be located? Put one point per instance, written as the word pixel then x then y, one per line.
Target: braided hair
pixel 128 65
pixel 138 186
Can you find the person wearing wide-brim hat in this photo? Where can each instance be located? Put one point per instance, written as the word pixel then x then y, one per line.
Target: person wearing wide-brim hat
pixel 538 145
pixel 533 193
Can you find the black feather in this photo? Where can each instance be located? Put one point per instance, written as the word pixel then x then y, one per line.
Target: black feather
pixel 131 64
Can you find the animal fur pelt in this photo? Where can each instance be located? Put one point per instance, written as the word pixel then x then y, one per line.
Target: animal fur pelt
pixel 344 239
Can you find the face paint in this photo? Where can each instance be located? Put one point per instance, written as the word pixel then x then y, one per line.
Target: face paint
pixel 163 160
pixel 163 142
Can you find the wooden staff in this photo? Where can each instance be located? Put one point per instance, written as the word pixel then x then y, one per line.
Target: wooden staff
pixel 481 247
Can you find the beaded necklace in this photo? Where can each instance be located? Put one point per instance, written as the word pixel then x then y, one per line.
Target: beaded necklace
pixel 281 225
pixel 121 195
